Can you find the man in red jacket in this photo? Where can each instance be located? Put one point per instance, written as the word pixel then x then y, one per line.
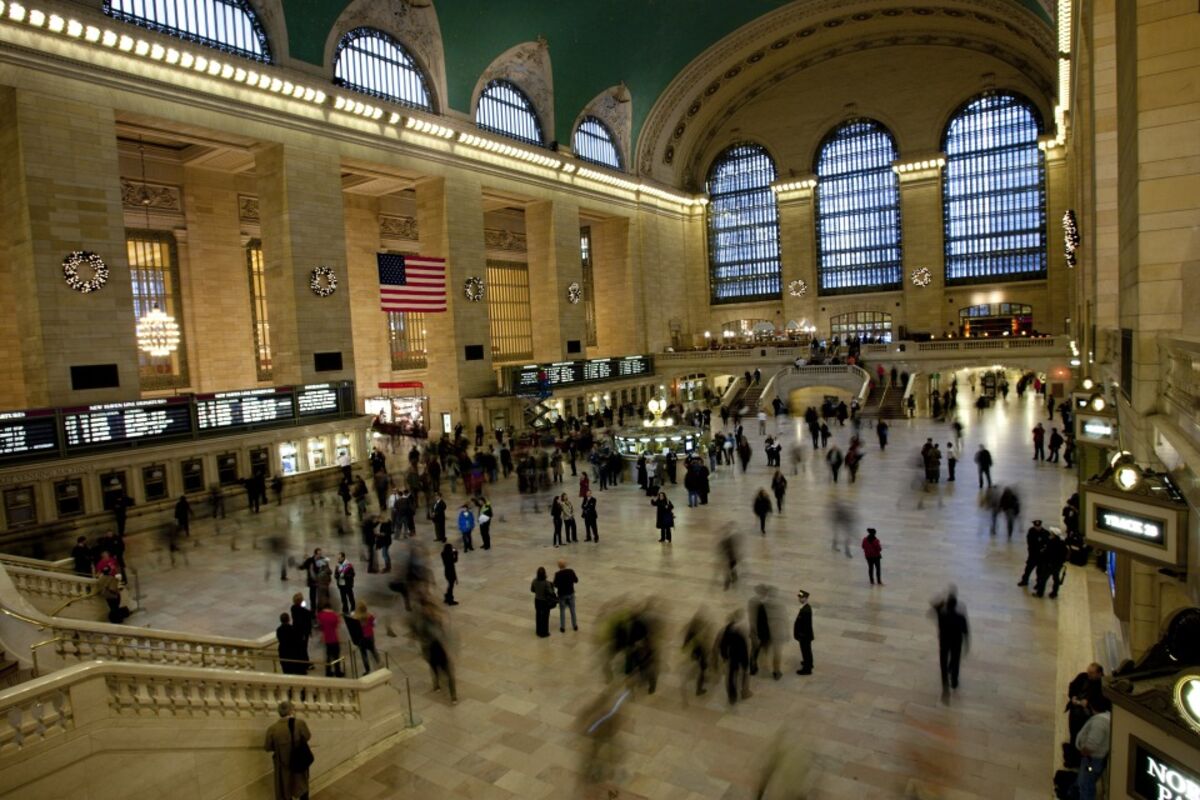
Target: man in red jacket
pixel 873 550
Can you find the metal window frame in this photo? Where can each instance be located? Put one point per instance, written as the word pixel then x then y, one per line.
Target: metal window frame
pixel 260 320
pixel 169 298
pixel 593 141
pixel 857 204
pixel 975 213
pixel 510 319
pixel 189 12
pixel 744 263
pixel 493 111
pixel 398 69
pixel 862 323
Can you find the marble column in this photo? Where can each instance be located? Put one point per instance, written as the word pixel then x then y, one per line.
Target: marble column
pixel 552 237
pixel 923 245
pixel 798 255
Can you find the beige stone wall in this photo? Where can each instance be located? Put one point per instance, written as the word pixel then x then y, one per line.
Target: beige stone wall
pixel 552 234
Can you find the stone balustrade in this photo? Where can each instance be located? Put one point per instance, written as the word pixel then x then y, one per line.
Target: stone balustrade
pixel 33 717
pixel 59 586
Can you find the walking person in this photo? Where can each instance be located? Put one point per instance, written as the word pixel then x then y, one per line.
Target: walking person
pixel 734 650
pixel 287 742
pixel 664 517
pixel 449 559
pixel 762 507
pixel 544 599
pixel 328 621
pixel 873 551
pixel 588 511
pixel 834 459
pixel 564 584
pixel 466 524
pixel 1056 443
pixel 343 576
pixel 952 639
pixel 183 515
pixel 366 636
pixel 983 461
pixel 762 634
pixel 1039 443
pixel 779 488
pixel 802 632
pixel 881 430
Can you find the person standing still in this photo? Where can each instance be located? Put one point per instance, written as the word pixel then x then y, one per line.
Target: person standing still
pixel 1093 743
pixel 588 512
pixel 544 599
pixel 802 632
pixel 983 460
pixel 951 460
pixel 328 621
pixel 343 576
pixel 564 583
pixel 449 559
pixel 568 518
pixel 437 513
pixel 287 742
pixel 664 517
pixel 485 523
pixel 183 515
pixel 466 524
pixel 556 515
pixel 873 551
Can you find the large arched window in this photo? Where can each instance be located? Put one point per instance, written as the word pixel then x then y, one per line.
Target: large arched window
pixel 506 110
pixel 994 192
pixel 858 210
pixel 228 25
pixel 743 226
pixel 371 61
pixel 594 142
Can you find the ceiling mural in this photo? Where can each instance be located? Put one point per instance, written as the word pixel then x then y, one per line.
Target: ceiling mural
pixel 643 43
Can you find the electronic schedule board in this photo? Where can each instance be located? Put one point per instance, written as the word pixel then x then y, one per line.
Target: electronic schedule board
pixel 245 408
pixel 324 399
pixel 131 422
pixel 568 373
pixel 28 434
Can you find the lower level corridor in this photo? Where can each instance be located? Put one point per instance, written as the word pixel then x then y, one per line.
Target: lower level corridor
pixel 870 718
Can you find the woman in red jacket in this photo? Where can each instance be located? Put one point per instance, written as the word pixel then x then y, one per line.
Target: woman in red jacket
pixel 873 550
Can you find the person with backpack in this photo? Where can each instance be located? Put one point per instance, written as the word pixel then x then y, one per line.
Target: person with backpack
pixel 287 742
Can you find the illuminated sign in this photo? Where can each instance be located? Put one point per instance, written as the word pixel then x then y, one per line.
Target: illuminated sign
pixel 567 373
pixel 25 434
pixel 1095 428
pixel 1157 777
pixel 1187 699
pixel 1098 428
pixel 120 423
pixel 1126 524
pixel 244 408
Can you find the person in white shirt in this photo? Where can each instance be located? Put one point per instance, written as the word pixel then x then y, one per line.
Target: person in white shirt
pixel 762 422
pixel 951 454
pixel 343 461
pixel 1092 743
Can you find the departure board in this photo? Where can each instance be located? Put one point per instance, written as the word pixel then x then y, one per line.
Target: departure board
pixel 567 373
pixel 244 408
pixel 111 424
pixel 28 434
pixel 317 399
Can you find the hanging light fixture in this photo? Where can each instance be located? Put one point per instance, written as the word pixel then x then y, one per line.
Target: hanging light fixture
pixel 157 333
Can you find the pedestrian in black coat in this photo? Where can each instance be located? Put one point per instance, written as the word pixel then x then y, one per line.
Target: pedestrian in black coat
pixel 293 647
pixel 588 512
pixel 762 507
pixel 664 518
pixel 735 652
pixel 437 513
pixel 449 559
pixel 952 640
pixel 802 632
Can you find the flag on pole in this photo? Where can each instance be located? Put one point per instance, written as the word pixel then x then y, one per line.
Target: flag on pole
pixel 412 283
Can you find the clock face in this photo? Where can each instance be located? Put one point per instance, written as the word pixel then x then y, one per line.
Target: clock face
pixel 473 289
pixel 574 293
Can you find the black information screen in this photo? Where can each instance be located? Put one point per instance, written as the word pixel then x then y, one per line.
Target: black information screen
pixel 567 373
pixel 27 433
pixel 1131 526
pixel 317 399
pixel 630 366
pixel 244 408
pixel 1156 776
pixel 121 423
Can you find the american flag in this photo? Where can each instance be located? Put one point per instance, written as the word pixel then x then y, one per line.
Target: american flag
pixel 412 283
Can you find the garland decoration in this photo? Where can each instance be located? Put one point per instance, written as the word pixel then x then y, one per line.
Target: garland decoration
pixel 1070 237
pixel 95 263
pixel 323 281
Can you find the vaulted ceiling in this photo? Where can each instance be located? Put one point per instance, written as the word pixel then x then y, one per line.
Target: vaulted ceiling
pixel 593 45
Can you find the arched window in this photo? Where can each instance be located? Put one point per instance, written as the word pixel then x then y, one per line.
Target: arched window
pixel 858 210
pixel 228 25
pixel 372 62
pixel 994 192
pixel 743 226
pixel 504 109
pixel 594 142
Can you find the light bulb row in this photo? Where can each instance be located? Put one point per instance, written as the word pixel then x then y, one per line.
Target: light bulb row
pixel 785 187
pixel 512 151
pixel 918 166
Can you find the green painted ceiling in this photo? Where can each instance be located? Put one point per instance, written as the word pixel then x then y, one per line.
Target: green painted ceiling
pixel 593 45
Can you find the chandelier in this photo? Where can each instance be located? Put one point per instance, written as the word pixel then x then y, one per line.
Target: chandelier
pixel 157 333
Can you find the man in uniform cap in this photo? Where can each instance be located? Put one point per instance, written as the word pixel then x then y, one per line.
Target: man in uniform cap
pixel 1035 542
pixel 802 632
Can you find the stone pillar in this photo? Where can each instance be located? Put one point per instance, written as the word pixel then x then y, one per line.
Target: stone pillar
pixel 216 285
pixel 552 237
pixel 923 245
pixel 62 192
pixel 372 347
pixel 300 207
pixel 798 255
pixel 450 221
pixel 618 309
pixel 1060 283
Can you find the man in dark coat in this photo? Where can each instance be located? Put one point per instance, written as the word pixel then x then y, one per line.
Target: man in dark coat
pixel 735 651
pixel 1050 565
pixel 437 513
pixel 449 559
pixel 1035 542
pixel 802 632
pixel 293 647
pixel 952 640
pixel 282 737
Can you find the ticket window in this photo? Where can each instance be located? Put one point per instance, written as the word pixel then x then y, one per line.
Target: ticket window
pixel 20 506
pixel 343 446
pixel 112 486
pixel 227 469
pixel 154 482
pixel 288 458
pixel 318 453
pixel 260 461
pixel 193 475
pixel 68 497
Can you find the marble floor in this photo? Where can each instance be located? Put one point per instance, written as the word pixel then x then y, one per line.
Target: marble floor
pixel 868 723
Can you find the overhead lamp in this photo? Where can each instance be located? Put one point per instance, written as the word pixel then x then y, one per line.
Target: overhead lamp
pixel 1088 383
pixel 1097 402
pixel 157 333
pixel 1127 477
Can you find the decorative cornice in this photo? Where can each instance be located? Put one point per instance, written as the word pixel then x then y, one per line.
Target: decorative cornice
pixel 395 226
pixel 159 198
pixel 248 208
pixel 504 239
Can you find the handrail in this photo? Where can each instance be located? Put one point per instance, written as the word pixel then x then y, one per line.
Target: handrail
pixel 72 601
pixel 62 565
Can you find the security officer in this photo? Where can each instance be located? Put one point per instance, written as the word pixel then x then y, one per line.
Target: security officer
pixel 1051 563
pixel 1035 543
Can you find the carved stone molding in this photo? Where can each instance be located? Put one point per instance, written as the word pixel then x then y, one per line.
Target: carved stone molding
pixel 159 198
pixel 528 66
pixel 392 226
pixel 503 239
pixel 248 208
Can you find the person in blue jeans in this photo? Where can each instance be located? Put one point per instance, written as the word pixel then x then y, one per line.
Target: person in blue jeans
pixel 1093 743
pixel 466 524
pixel 564 584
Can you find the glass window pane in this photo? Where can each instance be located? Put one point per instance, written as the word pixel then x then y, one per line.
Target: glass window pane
pixel 154 277
pixel 227 25
pixel 259 321
pixel 509 316
pixel 594 142
pixel 372 62
pixel 743 226
pixel 504 109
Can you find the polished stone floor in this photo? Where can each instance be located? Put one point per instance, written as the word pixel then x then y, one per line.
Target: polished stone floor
pixel 869 720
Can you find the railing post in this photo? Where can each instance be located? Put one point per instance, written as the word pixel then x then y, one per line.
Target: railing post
pixel 412 722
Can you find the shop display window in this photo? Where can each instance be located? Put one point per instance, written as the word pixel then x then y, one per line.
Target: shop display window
pixel 288 459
